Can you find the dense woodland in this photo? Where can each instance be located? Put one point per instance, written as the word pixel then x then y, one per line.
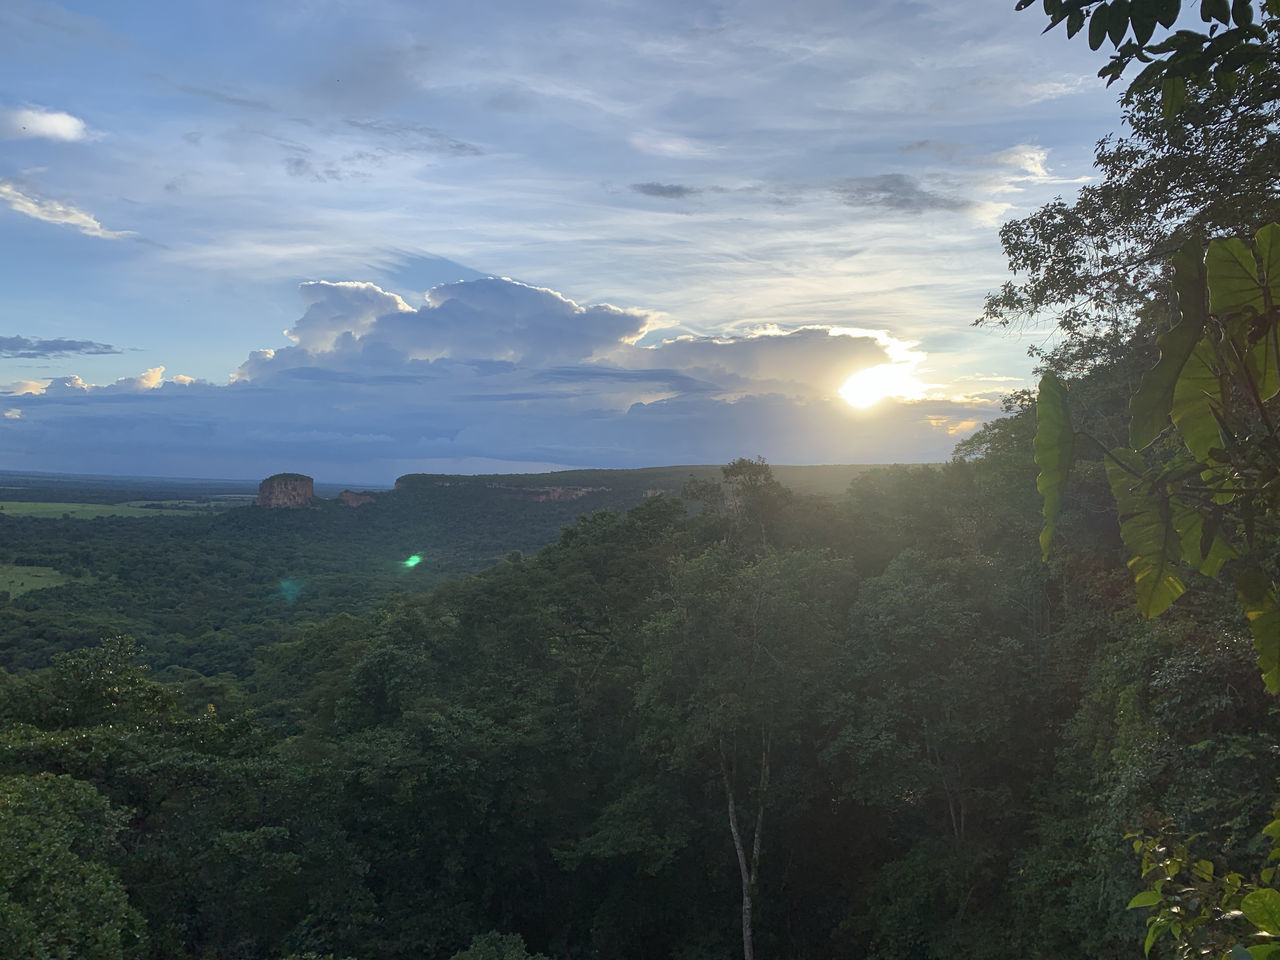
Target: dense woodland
pixel 745 720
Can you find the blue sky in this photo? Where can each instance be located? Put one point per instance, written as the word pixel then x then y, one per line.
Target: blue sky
pixel 656 232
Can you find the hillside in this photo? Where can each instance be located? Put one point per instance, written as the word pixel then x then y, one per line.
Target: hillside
pixel 201 578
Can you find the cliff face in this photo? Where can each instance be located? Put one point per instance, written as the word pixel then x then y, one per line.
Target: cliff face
pixel 286 490
pixel 353 499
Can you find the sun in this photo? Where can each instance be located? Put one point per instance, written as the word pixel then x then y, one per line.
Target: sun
pixel 868 387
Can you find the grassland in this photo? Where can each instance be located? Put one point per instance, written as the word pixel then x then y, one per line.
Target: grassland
pixel 83 511
pixel 18 580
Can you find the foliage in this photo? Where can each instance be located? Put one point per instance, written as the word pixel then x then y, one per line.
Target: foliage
pixel 1235 38
pixel 1218 372
pixel 1098 266
pixel 497 946
pixel 59 899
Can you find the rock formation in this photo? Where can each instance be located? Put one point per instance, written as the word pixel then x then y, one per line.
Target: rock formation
pixel 353 499
pixel 286 490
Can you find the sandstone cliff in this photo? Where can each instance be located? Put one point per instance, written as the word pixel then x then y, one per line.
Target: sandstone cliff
pixel 353 499
pixel 286 490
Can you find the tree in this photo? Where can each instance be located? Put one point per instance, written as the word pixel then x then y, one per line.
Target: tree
pixel 731 665
pixel 59 898
pixel 1098 266
pixel 1234 40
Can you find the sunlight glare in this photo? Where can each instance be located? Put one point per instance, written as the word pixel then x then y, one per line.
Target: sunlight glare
pixel 868 387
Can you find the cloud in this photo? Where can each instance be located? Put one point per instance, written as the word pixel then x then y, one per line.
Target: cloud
pixel 55 211
pixel 417 138
pixel 73 386
pixel 667 145
pixel 493 370
pixel 36 122
pixel 230 100
pixel 25 348
pixel 897 192
pixel 667 191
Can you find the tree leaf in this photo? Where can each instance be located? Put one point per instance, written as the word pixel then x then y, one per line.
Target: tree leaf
pixel 1147 898
pixel 1232 277
pixel 1242 12
pixel 1173 94
pixel 1262 909
pixel 1054 449
pixel 1118 21
pixel 1143 14
pixel 1098 27
pixel 1154 933
pixel 1146 526
pixel 1263 951
pixel 1219 10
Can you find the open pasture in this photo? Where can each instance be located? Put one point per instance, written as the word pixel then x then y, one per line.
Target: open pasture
pixel 17 580
pixel 82 511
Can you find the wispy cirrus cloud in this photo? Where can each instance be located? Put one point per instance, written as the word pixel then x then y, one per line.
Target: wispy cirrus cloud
pixel 22 200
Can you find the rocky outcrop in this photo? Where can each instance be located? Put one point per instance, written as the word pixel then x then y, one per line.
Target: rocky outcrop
pixel 353 499
pixel 288 491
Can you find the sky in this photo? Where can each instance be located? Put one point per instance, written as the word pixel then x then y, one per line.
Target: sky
pixel 358 240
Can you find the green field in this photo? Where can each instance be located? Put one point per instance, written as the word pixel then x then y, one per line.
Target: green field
pixel 82 511
pixel 19 580
pixel 201 505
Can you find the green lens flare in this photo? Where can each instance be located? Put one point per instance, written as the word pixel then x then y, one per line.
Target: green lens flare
pixel 413 561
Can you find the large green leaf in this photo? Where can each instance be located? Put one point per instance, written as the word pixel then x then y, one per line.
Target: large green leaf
pixel 1146 525
pixel 1258 599
pixel 1206 554
pixel 1149 407
pixel 1197 386
pixel 1232 276
pixel 1268 250
pixel 1262 909
pixel 1054 448
pixel 1262 366
pixel 1147 898
pixel 1197 393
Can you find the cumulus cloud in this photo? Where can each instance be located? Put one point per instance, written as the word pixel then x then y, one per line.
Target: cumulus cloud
pixel 498 370
pixel 24 348
pixel 55 211
pixel 73 385
pixel 36 122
